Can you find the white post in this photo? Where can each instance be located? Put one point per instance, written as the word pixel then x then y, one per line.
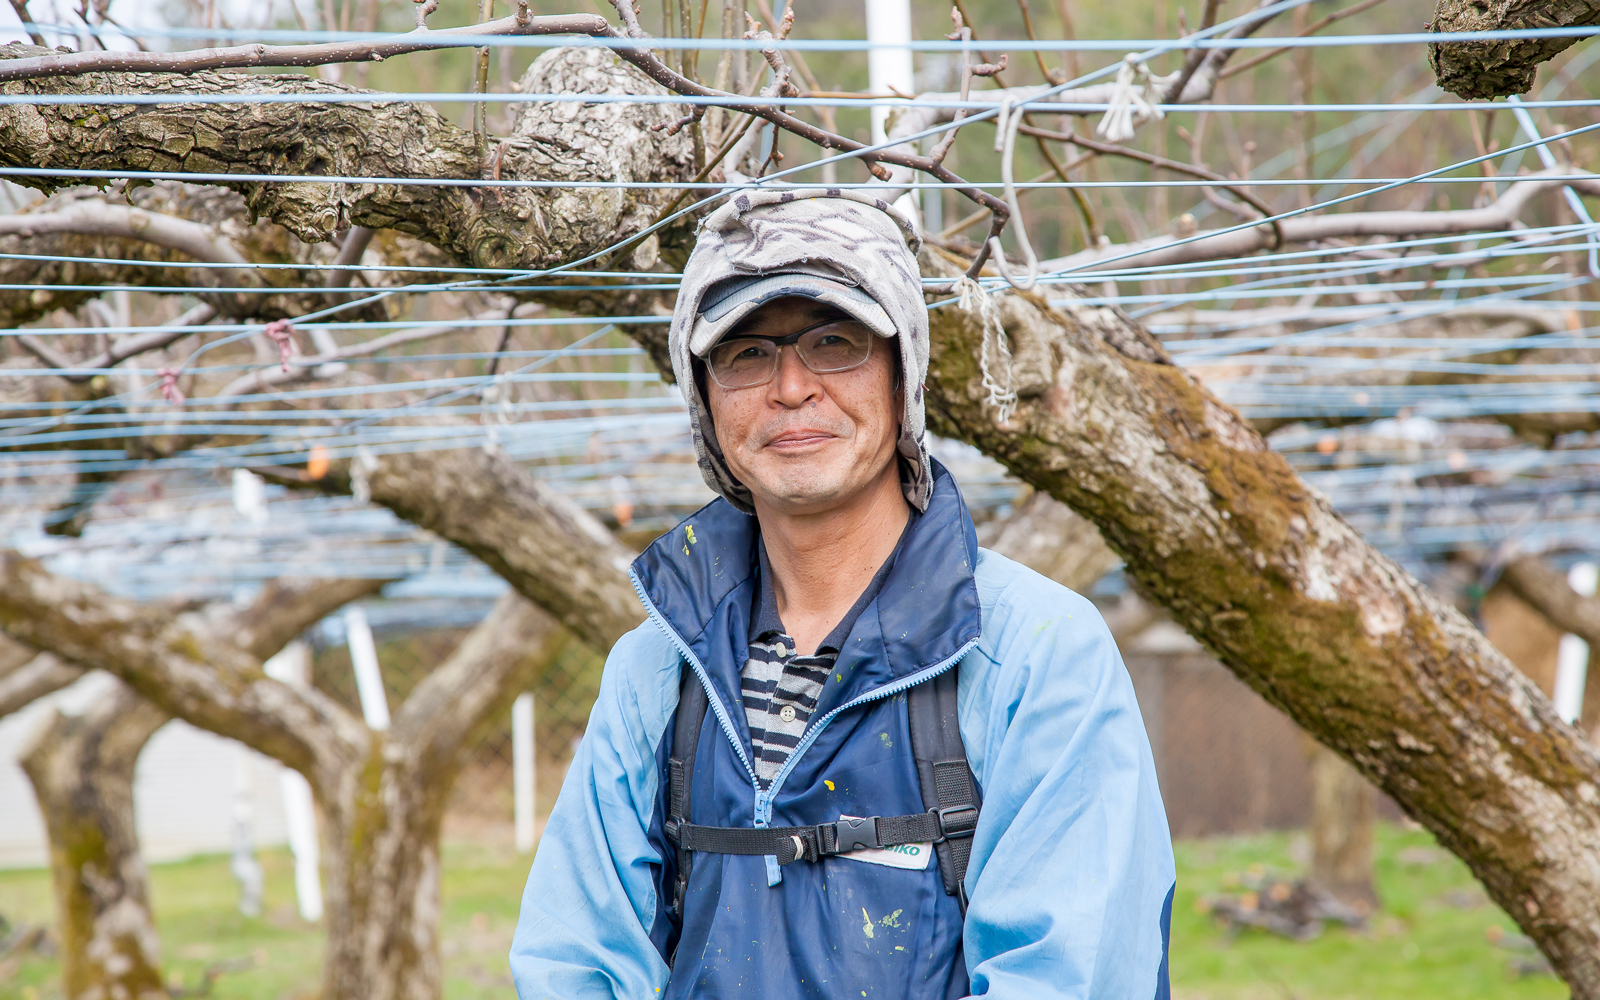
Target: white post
pixel 889 69
pixel 522 773
pixel 293 666
pixel 364 660
pixel 1572 657
pixel 246 869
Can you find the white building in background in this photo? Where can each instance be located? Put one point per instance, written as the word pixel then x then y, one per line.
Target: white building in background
pixel 185 788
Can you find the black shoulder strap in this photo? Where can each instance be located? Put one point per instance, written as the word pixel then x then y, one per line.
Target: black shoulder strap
pixel 949 792
pixel 680 773
pixel 948 787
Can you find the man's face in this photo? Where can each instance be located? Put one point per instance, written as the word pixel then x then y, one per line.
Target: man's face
pixel 805 443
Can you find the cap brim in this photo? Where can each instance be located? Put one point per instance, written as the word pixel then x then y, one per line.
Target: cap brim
pixel 726 303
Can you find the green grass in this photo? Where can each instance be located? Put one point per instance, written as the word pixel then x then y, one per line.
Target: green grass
pixel 1429 941
pixel 199 924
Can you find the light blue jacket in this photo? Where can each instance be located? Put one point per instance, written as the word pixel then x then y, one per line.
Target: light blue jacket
pixel 1071 874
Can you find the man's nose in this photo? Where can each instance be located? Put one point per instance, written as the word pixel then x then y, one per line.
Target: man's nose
pixel 793 384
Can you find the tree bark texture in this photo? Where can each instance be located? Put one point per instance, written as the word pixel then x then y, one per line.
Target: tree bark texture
pixel 555 553
pixel 1343 812
pixel 1215 526
pixel 1546 589
pixel 1480 70
pixel 487 227
pixel 381 823
pixel 82 770
pixel 382 795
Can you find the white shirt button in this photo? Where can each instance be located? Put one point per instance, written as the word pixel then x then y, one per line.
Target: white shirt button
pixel 783 650
pixel 786 713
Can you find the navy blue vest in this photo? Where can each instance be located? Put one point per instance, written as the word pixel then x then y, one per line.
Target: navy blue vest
pixel 838 927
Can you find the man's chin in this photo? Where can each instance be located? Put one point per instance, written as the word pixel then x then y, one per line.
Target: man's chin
pixel 805 490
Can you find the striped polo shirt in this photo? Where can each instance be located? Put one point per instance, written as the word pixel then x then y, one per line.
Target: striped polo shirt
pixel 780 688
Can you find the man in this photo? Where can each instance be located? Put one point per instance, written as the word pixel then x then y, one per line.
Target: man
pixel 773 797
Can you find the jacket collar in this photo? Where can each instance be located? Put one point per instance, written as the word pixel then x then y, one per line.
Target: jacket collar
pixel 701 576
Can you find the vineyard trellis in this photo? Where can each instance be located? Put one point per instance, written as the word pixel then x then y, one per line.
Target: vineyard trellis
pixel 1421 367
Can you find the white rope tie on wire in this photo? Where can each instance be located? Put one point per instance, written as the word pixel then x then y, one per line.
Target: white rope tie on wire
pixel 361 466
pixel 1135 99
pixel 973 299
pixel 1005 143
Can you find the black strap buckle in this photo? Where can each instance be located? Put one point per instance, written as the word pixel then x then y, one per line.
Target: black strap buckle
pixel 955 822
pixel 671 828
pixel 855 834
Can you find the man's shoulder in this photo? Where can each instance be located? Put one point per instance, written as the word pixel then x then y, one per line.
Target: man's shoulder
pixel 644 650
pixel 1008 587
pixel 1027 614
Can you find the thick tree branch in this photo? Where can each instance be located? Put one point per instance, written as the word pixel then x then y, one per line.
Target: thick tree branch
pixel 180 664
pixel 103 219
pixel 552 551
pixel 41 675
pixel 510 651
pixel 1215 526
pixel 1480 70
pixel 288 606
pixel 1546 589
pixel 506 227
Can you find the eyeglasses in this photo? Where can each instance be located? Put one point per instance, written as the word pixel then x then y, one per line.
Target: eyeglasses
pixel 835 345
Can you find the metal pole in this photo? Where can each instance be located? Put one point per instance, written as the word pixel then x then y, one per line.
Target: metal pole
pixel 523 781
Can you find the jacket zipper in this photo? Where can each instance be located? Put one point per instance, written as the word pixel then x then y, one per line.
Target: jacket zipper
pixel 764 808
pixel 728 727
pixel 763 799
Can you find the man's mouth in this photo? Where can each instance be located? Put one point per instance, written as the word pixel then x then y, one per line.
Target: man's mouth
pixel 795 440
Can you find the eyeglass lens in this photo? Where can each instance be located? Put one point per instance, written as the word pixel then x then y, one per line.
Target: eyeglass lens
pixel 749 361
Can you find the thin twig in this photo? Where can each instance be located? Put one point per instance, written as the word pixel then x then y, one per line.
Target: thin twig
pixel 123 349
pixel 21 7
pixel 1195 57
pixel 505 338
pixel 1055 76
pixel 1177 167
pixel 1338 15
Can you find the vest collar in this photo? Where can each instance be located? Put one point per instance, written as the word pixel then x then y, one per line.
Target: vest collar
pixel 701 578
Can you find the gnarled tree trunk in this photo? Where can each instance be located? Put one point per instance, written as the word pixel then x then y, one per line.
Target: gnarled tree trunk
pixel 82 769
pixel 382 793
pixel 1210 522
pixel 382 815
pixel 1216 527
pixel 1343 810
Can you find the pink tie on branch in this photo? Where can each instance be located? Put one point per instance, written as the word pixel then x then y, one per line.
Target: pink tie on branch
pixel 169 385
pixel 282 333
